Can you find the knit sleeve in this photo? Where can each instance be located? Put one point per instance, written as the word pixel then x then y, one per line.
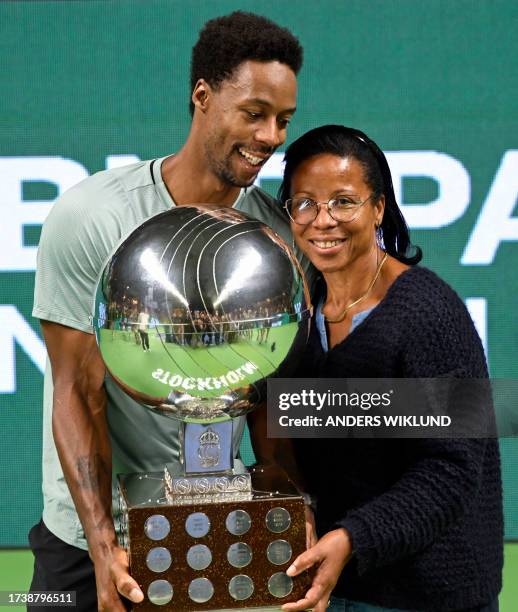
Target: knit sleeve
pixel 434 492
pixel 443 476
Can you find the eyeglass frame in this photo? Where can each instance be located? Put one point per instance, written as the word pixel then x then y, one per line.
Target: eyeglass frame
pixel 328 206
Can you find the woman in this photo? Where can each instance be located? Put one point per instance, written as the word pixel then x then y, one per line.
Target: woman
pixel 408 524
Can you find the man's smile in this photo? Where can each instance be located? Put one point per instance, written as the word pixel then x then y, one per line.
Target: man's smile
pixel 254 158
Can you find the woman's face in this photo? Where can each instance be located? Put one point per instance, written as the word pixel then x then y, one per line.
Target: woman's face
pixel 329 244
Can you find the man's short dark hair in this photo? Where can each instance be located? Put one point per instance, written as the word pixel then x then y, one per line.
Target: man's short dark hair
pixel 226 42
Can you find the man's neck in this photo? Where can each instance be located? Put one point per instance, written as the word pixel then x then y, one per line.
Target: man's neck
pixel 188 181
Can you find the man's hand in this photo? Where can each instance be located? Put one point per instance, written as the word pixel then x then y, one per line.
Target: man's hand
pixel 112 579
pixel 330 553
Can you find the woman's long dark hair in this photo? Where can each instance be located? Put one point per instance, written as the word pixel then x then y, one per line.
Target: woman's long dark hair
pixel 348 142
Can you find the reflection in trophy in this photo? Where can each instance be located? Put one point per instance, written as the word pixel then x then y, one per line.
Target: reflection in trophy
pixel 225 306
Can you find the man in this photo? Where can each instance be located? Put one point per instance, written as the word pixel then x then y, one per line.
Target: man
pixel 143 325
pixel 243 79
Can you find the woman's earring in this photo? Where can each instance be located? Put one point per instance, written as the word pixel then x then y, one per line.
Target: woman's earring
pixel 379 237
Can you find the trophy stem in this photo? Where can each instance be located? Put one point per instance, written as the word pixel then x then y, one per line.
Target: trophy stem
pixel 206 472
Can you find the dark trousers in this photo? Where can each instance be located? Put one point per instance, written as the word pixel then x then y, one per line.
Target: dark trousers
pixel 61 567
pixel 145 339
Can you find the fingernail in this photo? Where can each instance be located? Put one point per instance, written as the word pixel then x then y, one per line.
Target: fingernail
pixel 136 595
pixel 291 569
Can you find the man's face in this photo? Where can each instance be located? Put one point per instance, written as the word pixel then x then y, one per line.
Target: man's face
pixel 246 120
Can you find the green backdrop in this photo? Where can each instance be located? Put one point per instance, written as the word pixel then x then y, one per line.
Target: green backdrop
pixel 433 82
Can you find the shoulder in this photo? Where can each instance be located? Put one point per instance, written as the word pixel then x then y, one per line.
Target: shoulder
pixel 263 207
pixel 102 209
pixel 83 227
pixel 261 197
pixel 103 188
pixel 424 294
pixel 434 326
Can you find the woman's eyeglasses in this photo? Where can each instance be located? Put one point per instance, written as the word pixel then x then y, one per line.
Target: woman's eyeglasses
pixel 342 208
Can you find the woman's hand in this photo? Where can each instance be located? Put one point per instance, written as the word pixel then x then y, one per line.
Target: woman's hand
pixel 311 530
pixel 330 553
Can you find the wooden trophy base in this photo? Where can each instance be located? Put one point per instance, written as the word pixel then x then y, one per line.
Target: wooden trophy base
pixel 229 555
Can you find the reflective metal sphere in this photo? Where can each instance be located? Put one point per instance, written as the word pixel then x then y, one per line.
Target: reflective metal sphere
pixel 197 308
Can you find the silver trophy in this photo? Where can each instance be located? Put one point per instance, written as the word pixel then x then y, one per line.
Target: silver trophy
pixel 219 302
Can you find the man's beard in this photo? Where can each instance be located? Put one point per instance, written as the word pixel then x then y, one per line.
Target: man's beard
pixel 222 168
pixel 224 172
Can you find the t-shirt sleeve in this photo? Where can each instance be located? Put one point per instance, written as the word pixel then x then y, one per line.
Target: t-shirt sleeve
pixel 70 259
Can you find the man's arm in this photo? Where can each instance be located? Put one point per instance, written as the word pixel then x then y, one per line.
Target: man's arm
pixel 83 444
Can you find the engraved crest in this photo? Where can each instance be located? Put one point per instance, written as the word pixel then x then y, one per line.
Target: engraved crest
pixel 202 485
pixel 209 449
pixel 182 486
pixel 240 483
pixel 221 484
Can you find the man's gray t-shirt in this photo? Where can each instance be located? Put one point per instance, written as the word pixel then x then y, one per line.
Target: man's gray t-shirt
pixel 81 232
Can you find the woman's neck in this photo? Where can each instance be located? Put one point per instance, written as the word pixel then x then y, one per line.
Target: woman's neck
pixel 350 283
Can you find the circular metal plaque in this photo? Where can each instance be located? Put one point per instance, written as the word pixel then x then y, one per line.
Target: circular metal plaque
pixel 279 552
pixel 201 590
pixel 278 520
pixel 158 559
pixel 280 585
pixel 157 527
pixel 199 557
pixel 241 587
pixel 160 592
pixel 197 524
pixel 238 522
pixel 239 554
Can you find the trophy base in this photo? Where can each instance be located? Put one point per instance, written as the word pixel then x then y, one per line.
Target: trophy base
pixel 203 556
pixel 180 488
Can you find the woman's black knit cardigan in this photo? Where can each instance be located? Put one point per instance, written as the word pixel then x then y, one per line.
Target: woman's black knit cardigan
pixel 424 515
